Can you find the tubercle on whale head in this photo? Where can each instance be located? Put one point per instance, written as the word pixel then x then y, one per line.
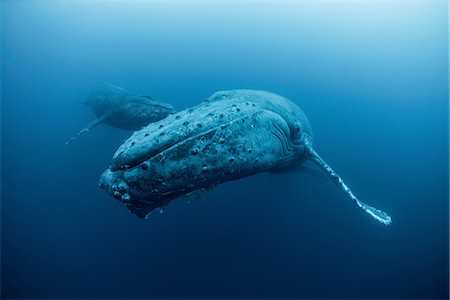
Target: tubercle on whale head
pixel 117 187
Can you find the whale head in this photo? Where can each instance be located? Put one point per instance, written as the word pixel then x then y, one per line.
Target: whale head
pixel 232 134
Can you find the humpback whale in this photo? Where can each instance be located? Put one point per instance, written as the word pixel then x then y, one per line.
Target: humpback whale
pixel 232 134
pixel 122 109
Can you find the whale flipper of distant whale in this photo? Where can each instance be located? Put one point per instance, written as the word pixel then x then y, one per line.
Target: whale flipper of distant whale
pixel 122 109
pixel 86 129
pixel 233 134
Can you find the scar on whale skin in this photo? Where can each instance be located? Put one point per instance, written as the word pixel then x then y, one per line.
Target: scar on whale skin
pixel 231 135
pixel 122 109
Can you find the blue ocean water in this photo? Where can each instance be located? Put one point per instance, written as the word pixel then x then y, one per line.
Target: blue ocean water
pixel 372 78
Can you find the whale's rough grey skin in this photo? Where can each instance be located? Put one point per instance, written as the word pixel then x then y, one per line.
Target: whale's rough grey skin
pixel 232 134
pixel 122 109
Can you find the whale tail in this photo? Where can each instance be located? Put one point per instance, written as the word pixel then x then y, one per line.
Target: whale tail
pixel 377 214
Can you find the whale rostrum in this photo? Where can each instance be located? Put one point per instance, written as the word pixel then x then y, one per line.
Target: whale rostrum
pixel 232 134
pixel 122 109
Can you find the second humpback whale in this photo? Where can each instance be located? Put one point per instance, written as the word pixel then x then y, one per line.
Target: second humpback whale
pixel 232 134
pixel 122 109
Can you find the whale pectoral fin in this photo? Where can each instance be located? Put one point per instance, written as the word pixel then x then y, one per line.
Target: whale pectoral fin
pixel 86 129
pixel 377 214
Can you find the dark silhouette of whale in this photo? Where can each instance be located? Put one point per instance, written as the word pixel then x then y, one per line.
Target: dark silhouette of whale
pixel 232 134
pixel 122 109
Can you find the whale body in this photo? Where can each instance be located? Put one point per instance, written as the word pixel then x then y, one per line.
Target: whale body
pixel 232 134
pixel 122 109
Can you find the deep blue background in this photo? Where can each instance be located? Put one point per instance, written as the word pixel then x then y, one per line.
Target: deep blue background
pixel 373 79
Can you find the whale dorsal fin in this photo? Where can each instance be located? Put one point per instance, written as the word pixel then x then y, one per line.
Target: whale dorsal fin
pixel 88 128
pixel 377 214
